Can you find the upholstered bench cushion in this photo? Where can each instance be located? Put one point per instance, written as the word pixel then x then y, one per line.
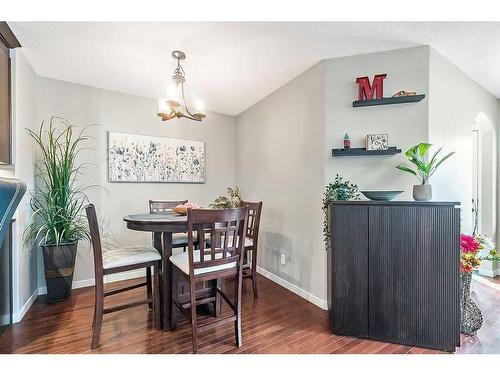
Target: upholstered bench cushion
pixel 126 256
pixel 181 260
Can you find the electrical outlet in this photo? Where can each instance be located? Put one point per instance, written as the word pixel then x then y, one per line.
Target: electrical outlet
pixel 283 259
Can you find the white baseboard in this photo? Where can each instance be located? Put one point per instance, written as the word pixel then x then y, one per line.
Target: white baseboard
pixel 107 279
pixel 294 288
pixel 18 316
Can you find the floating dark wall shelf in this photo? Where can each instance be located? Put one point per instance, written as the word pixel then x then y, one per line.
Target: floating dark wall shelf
pixel 364 152
pixel 385 101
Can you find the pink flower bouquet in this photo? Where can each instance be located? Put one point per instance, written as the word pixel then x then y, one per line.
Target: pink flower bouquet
pixel 469 253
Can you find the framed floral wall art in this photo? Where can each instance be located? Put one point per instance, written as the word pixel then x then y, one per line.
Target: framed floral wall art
pixel 143 158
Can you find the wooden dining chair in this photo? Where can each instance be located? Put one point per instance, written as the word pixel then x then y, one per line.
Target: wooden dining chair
pixel 179 240
pixel 211 264
pixel 251 243
pixel 120 260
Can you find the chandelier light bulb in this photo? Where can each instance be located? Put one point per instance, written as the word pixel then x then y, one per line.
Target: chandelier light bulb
pixel 163 107
pixel 199 108
pixel 173 95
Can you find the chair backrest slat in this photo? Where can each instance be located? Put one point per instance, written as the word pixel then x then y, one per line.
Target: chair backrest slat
pixel 95 238
pixel 226 227
pixel 254 211
pixel 156 206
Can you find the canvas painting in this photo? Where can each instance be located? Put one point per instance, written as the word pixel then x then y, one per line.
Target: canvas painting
pixel 377 141
pixel 142 158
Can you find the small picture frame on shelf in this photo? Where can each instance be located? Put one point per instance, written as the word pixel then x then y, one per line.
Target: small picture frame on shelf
pixel 377 142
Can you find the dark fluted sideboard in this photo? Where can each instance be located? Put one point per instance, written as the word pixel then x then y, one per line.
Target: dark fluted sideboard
pixel 394 272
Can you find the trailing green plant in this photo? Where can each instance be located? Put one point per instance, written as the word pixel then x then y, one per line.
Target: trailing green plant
pixel 416 155
pixel 57 202
pixel 233 199
pixel 338 190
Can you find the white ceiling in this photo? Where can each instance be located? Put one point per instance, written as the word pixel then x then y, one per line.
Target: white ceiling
pixel 234 65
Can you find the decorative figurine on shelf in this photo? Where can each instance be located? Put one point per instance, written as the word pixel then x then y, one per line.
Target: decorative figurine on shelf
pixel 404 93
pixel 347 142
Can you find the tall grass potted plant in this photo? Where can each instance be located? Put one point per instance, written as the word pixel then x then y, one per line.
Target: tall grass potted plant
pixel 57 222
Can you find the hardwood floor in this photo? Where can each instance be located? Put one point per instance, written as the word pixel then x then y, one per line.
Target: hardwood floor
pixel 278 322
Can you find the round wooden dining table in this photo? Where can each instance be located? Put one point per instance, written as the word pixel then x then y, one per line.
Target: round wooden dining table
pixel 162 225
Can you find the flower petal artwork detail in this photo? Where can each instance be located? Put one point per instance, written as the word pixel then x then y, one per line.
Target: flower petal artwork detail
pixel 141 158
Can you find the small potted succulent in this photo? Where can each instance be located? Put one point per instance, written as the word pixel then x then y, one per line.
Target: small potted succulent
pixel 424 170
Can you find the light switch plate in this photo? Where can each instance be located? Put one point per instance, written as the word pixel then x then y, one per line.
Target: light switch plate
pixel 283 259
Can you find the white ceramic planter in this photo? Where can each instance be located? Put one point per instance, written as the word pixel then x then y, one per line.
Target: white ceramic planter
pixel 489 268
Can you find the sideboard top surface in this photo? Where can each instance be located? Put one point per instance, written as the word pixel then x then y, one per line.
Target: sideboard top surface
pixel 395 203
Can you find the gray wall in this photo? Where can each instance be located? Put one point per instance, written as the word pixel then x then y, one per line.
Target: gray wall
pixel 113 111
pixel 406 124
pixel 24 116
pixel 282 152
pixel 285 141
pixel 280 162
pixel 456 103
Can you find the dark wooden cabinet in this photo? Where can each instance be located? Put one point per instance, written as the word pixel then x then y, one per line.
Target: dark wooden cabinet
pixel 391 256
pixel 395 271
pixel 7 42
pixel 5 137
pixel 350 298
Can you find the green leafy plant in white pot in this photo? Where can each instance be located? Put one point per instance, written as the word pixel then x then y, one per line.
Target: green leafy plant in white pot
pixel 424 170
pixel 57 222
pixel 490 259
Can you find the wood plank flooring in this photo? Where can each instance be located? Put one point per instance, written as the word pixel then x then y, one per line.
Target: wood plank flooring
pixel 278 322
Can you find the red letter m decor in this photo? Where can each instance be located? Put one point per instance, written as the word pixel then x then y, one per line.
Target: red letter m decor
pixel 366 91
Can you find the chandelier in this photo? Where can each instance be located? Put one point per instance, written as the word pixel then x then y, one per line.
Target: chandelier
pixel 173 105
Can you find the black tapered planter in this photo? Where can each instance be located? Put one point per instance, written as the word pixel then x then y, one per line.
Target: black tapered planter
pixel 59 262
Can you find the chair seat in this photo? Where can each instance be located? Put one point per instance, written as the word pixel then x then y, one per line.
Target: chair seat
pixel 181 261
pixel 127 256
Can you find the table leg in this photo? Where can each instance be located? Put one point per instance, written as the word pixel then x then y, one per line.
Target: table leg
pixel 166 276
pixel 157 244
